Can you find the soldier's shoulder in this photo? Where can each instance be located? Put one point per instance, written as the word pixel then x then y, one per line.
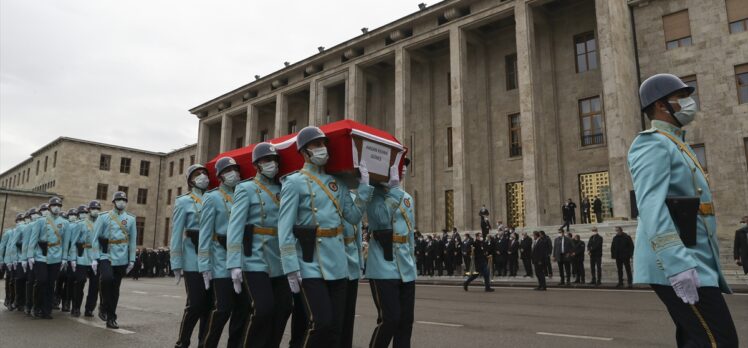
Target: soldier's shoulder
pixel 245 181
pixel 130 214
pixel 292 175
pixel 651 130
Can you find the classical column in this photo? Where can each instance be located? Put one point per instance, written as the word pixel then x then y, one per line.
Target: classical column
pixel 314 102
pixel 355 94
pixel 402 91
pixel 251 128
pixel 203 132
pixel 225 133
pixel 281 115
pixel 457 60
pixel 620 97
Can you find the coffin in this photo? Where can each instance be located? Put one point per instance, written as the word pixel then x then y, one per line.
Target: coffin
pixel 349 141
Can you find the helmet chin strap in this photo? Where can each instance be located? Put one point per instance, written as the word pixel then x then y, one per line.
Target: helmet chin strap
pixel 671 112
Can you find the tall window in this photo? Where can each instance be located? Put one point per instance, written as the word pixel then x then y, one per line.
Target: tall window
pixel 123 189
pixel 700 152
pixel 691 81
pixel 167 231
pixel 145 168
pixel 449 147
pixel 677 30
pixel 37 167
pixel 181 165
pixel 124 165
pixel 105 162
pixel 591 121
pixel 585 46
pixel 741 80
pixel 142 196
pixel 179 191
pixel 737 15
pixel 515 136
pixel 140 228
pixel 192 159
pixel 102 191
pixel 46 159
pixel 510 65
pixel 171 168
pixel 292 127
pixel 168 197
pixel 54 160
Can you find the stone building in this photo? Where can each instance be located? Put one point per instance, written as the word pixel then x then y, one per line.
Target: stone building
pixel 79 171
pixel 517 105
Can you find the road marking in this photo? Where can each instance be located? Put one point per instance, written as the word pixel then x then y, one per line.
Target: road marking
pixel 549 289
pixel 101 326
pixel 171 296
pixel 439 324
pixel 575 336
pixel 140 292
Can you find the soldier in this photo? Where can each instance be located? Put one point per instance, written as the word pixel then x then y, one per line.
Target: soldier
pixel 184 243
pixel 115 239
pixel 310 227
pixel 211 256
pixel 45 255
pixel 6 247
pixel 390 266
pixel 254 252
pixel 677 255
pixel 81 252
pixel 21 233
pixel 353 241
pixel 32 216
pixel 67 277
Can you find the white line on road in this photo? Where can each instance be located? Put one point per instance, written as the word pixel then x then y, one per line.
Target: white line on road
pixel 550 289
pixel 575 336
pixel 439 324
pixel 140 292
pixel 171 296
pixel 101 326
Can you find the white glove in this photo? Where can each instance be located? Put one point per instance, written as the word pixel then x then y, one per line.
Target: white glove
pixel 31 263
pixel 364 179
pixel 63 266
pixel 294 281
pixel 207 276
pixel 129 267
pixel 25 266
pixel 73 264
pixel 178 275
pixel 236 277
pixel 685 284
pixel 94 265
pixel 394 177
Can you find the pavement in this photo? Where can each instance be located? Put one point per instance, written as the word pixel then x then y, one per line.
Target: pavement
pixel 446 316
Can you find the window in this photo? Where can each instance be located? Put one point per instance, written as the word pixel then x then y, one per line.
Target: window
pixel 700 152
pixel 142 196
pixel 741 80
pixel 37 167
pixel 510 66
pixel 691 81
pixel 167 231
pixel 591 121
pixel 737 15
pixel 449 88
pixel 140 227
pixel 181 165
pixel 292 127
pixel 585 46
pixel 450 159
pixel 677 30
pixel 145 168
pixel 192 159
pixel 123 189
pixel 179 191
pixel 264 136
pixel 54 160
pixel 171 168
pixel 239 142
pixel 28 174
pixel 168 197
pixel 124 165
pixel 104 162
pixel 46 159
pixel 515 136
pixel 101 191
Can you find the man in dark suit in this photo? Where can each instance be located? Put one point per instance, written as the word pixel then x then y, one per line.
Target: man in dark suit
pixel 562 250
pixel 513 254
pixel 439 253
pixel 481 264
pixel 586 210
pixel 539 252
pixel 578 259
pixel 597 207
pixel 525 253
pixel 547 262
pixel 622 250
pixel 740 248
pixel 467 245
pixel 595 250
pixel 501 251
pixel 429 255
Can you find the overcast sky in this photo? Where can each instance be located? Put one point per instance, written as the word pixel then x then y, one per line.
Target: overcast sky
pixel 126 72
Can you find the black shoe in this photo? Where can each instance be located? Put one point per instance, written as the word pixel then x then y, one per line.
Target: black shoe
pixel 56 307
pixel 75 313
pixel 112 324
pixel 561 284
pixel 631 286
pixel 490 290
pixel 65 309
pixel 46 316
pixel 599 282
pixel 539 289
pixel 592 282
pixel 619 285
pixel 464 286
pixel 102 316
pixel 88 314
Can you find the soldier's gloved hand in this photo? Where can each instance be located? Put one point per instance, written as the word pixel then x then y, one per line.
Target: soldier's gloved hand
pixel 207 276
pixel 129 267
pixel 12 266
pixel 73 264
pixel 25 266
pixel 364 179
pixel 294 281
pixel 394 177
pixel 63 266
pixel 236 277
pixel 685 284
pixel 31 263
pixel 178 275
pixel 94 265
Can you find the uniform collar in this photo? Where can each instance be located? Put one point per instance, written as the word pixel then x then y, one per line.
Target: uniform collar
pixel 196 192
pixel 311 167
pixel 227 189
pixel 263 179
pixel 670 128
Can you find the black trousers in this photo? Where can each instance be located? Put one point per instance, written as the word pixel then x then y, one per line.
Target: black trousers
pixel 481 270
pixel 10 290
pixel 596 268
pixel 46 276
pixel 439 265
pixel 110 280
pixel 513 265
pixel 540 274
pixel 599 216
pixel 708 323
pixel 566 224
pixel 620 264
pixel 579 265
pixel 351 294
pixel 228 305
pixel 324 303
pixel 61 288
pixel 197 308
pixel 527 263
pixel 564 266
pixel 586 217
pixel 298 322
pixel 270 300
pixel 20 287
pixel 395 301
pixel 82 274
pixel 548 266
pixel 30 281
pixel 466 261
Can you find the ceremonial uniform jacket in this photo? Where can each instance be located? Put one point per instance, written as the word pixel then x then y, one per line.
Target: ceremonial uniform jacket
pixel 15 240
pixel 392 209
pixel 50 229
pixel 214 222
pixel 5 246
pixel 85 235
pixel 186 216
pixel 119 228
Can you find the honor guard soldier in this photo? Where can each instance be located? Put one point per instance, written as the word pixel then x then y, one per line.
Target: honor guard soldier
pixel 5 257
pixel 211 257
pixel 391 266
pixel 65 283
pixel 254 252
pixel 20 233
pixel 45 255
pixel 81 252
pixel 32 217
pixel 353 241
pixel 676 241
pixel 185 235
pixel 310 227
pixel 114 238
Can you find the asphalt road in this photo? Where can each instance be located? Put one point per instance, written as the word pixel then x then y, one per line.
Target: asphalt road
pixel 446 316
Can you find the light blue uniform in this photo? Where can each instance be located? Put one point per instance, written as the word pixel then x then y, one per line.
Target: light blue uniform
pixel 3 243
pixel 85 235
pixel 392 209
pixel 71 233
pixel 214 222
pixel 186 216
pixel 353 241
pixel 255 206
pixel 5 247
pixel 304 202
pixel 119 228
pixel 50 229
pixel 659 169
pixel 18 237
pixel 27 236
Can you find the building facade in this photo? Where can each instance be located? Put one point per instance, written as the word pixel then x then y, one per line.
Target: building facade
pixel 517 105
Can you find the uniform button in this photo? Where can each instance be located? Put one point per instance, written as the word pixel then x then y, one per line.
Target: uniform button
pixel 315 210
pixel 264 215
pixel 262 203
pixel 314 194
pixel 698 189
pixel 319 240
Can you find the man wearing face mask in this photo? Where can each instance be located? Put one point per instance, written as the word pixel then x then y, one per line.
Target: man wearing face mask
pixel 313 206
pixel 63 290
pixel 740 246
pixel 254 258
pixel 114 237
pixel 8 256
pixel 211 257
pixel 45 254
pixel 185 237
pixel 80 256
pixel 677 257
pixel 32 216
pixel 21 233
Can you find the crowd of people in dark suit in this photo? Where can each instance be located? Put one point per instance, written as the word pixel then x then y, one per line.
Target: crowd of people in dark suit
pixel 151 263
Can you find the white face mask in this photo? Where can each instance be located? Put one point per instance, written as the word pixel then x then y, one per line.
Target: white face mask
pixel 269 169
pixel 687 111
pixel 55 209
pixel 45 213
pixel 95 212
pixel 84 216
pixel 73 218
pixel 26 220
pixel 202 181
pixel 35 216
pixel 120 205
pixel 319 156
pixel 231 178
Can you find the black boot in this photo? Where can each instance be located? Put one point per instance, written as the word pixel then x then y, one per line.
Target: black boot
pixel 112 324
pixel 88 314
